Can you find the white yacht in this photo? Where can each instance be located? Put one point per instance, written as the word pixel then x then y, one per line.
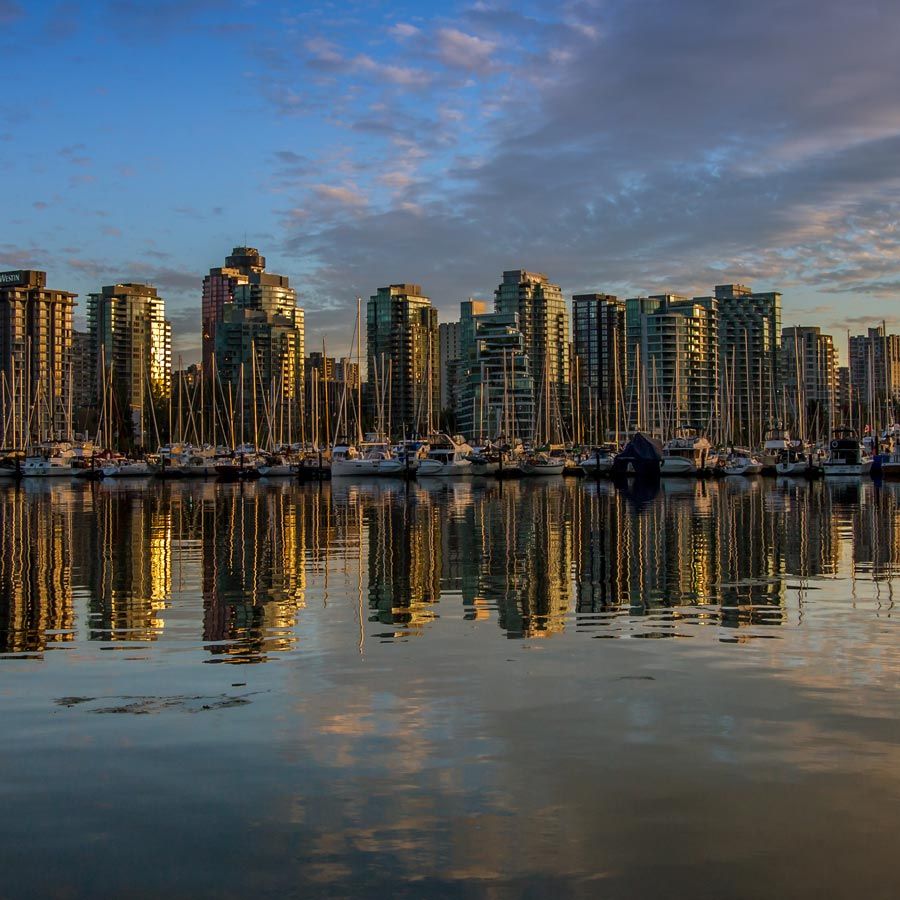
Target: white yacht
pixel 447 456
pixel 50 459
pixel 685 455
pixel 845 456
pixel 366 461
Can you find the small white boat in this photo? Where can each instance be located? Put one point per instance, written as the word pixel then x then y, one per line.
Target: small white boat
pixel 447 456
pixel 742 462
pixel 598 462
pixel 795 461
pixel 277 467
pixel 127 468
pixel 543 464
pixel 845 457
pixel 685 455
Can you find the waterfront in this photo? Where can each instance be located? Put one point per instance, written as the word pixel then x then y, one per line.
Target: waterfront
pixel 386 689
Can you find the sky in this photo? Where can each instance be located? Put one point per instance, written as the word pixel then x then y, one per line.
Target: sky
pixel 624 146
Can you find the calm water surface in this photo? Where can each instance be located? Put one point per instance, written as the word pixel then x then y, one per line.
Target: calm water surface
pixel 449 690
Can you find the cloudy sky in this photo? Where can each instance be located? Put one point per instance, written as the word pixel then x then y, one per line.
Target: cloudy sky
pixel 628 146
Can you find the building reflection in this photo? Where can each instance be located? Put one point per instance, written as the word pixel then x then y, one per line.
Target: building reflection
pixel 254 573
pixel 230 567
pixel 130 563
pixel 36 598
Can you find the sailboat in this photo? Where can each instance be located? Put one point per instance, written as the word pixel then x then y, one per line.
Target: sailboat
pixel 447 456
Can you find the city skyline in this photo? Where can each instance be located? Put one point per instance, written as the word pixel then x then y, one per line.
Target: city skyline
pixel 353 145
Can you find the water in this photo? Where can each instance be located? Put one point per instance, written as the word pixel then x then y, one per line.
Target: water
pixel 449 690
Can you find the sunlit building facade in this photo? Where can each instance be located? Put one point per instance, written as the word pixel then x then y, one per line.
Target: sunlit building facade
pixel 543 320
pixel 35 358
pixel 260 347
pixel 131 351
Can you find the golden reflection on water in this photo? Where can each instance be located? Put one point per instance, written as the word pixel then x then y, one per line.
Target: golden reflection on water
pixel 236 563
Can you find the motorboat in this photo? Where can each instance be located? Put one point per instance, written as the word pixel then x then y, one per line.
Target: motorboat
pixel 543 464
pixel 598 462
pixel 447 456
pixel 364 461
pixel 775 443
pixel 742 462
pixel 277 466
pixel 47 467
pixel 796 461
pixel 127 468
pixel 845 456
pixel 685 455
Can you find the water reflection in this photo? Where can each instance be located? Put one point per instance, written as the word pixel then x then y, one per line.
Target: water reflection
pixel 231 567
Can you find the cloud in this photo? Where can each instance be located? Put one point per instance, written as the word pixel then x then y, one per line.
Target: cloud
pixel 464 51
pixel 34 257
pixel 635 148
pixel 403 31
pixel 341 196
pixel 404 76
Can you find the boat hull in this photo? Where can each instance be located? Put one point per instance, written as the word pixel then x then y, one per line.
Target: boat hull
pixel 531 470
pixel 845 470
pixel 677 466
pixel 429 468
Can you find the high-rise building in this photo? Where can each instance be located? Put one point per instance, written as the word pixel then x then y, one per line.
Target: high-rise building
pixel 448 338
pixel 497 394
pixel 403 360
pixel 259 352
pixel 35 358
pixel 673 363
pixel 453 347
pixel 598 325
pixel 749 355
pixel 543 320
pixel 131 349
pixel 83 378
pixel 844 409
pixel 808 379
pixel 874 362
pixel 218 290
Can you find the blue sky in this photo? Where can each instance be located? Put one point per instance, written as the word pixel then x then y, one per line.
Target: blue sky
pixel 623 146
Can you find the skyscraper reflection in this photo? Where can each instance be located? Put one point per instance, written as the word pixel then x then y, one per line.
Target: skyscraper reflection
pixel 254 570
pixel 230 567
pixel 36 602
